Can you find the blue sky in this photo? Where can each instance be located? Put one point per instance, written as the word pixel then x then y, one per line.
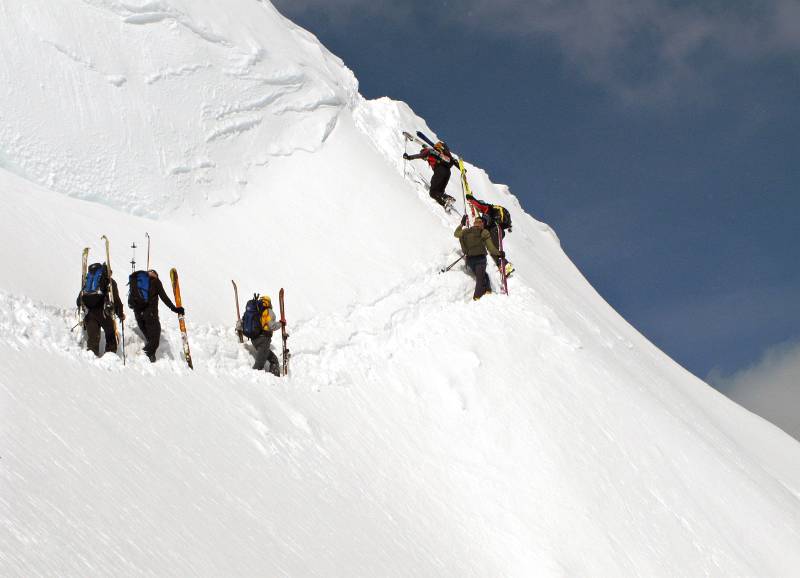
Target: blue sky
pixel 660 139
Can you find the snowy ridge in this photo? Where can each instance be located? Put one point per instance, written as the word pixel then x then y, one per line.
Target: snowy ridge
pixel 419 434
pixel 295 429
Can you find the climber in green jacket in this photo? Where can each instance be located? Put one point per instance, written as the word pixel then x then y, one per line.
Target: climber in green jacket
pixel 476 242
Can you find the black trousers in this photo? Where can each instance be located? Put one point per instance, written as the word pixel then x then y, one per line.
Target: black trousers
pixel 439 184
pixel 264 354
pixel 150 326
pixel 477 264
pixel 95 320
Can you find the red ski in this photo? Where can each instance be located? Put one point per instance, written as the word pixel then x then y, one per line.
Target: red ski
pixel 502 260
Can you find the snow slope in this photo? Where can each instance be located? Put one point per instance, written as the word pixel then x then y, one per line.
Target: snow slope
pixel 420 434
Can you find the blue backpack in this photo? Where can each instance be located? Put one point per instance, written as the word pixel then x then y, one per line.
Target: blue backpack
pixel 138 290
pixel 251 320
pixel 95 286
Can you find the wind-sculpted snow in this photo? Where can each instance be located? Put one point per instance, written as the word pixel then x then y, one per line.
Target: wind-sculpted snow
pixel 419 433
pixel 121 95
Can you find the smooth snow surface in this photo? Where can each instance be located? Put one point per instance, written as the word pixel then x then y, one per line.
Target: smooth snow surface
pixel 420 434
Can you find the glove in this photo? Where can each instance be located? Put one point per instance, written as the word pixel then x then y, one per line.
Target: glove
pixel 463 220
pixel 239 326
pixel 405 156
pixel 180 310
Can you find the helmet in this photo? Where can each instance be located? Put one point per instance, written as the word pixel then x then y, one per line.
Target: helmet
pixel 266 301
pixel 440 145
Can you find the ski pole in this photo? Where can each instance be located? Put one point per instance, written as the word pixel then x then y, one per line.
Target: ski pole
pixel 74 326
pixel 451 265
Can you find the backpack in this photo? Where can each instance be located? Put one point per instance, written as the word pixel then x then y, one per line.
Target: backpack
pixel 251 320
pixel 139 290
pixel 501 217
pixel 95 286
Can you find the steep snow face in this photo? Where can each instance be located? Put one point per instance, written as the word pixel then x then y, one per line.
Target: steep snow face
pixel 148 105
pixel 420 434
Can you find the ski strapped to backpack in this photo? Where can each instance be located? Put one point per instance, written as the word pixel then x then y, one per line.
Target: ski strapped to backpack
pixel 84 269
pixel 284 335
pixel 176 290
pixel 111 300
pixel 466 192
pixel 428 141
pixel 428 144
pixel 238 315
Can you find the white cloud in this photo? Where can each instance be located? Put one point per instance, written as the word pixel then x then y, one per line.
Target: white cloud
pixel 644 51
pixel 648 50
pixel 770 388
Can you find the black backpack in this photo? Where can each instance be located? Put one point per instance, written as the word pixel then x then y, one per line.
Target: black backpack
pixel 139 293
pixel 501 216
pixel 95 286
pixel 251 320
